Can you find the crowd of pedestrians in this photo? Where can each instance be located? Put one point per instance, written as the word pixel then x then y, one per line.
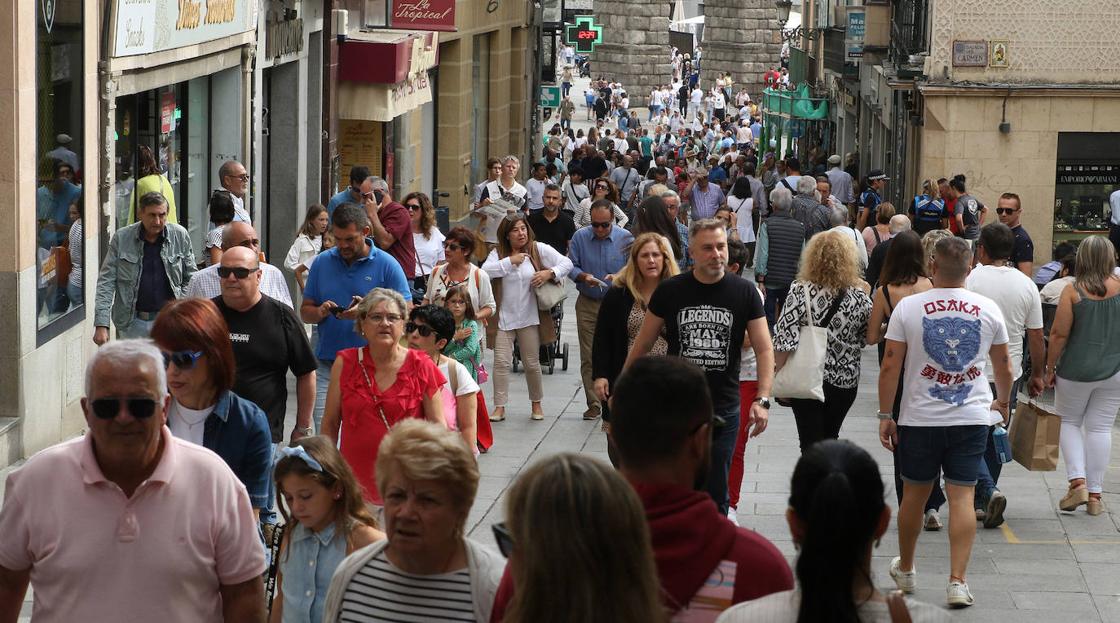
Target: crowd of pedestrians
pixel 702 280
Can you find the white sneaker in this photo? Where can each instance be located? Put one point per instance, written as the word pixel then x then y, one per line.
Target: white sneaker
pixel 906 581
pixel 959 595
pixel 733 515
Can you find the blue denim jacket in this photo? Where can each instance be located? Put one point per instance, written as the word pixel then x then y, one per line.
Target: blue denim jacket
pixel 237 430
pixel 307 567
pixel 119 279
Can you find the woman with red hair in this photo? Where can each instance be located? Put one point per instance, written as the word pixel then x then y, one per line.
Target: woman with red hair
pixel 194 339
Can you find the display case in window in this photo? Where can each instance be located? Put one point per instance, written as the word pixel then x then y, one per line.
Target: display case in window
pixel 1081 194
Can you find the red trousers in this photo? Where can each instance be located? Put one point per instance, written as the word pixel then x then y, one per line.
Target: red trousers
pixel 748 391
pixel 484 433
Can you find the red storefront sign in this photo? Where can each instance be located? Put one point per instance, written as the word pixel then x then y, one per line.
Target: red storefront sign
pixel 166 111
pixel 423 14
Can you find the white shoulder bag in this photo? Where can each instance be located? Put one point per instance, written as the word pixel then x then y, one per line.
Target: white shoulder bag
pixel 803 374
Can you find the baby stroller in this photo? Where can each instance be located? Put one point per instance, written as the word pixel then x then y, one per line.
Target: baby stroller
pixel 549 352
pixel 583 64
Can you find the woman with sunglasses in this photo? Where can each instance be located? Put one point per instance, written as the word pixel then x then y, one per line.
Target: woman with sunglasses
pixel 427 238
pixel 375 386
pixel 204 410
pixel 603 189
pixel 522 264
pixel 458 248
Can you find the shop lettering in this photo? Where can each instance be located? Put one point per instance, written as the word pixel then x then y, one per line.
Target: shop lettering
pixel 408 87
pixel 219 11
pixel 419 11
pixel 190 15
pixel 952 305
pixel 134 34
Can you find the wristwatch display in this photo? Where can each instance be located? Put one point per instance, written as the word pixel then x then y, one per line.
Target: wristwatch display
pixel 763 401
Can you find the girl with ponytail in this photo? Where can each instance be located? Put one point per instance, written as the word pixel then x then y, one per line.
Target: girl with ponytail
pixel 836 515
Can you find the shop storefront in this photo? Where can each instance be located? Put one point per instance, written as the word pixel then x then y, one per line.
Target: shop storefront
pixel 1088 171
pixel 178 105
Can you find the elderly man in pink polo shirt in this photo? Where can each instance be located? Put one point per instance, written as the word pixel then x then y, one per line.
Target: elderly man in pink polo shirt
pixel 129 523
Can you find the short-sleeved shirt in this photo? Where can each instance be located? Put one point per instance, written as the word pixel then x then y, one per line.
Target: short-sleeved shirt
pixel 869 201
pixel 160 555
pixel 364 405
pixel 332 279
pixel 396 220
pixel 268 340
pixel 465 385
pixel 970 208
pixel 1018 300
pixel 705 325
pixel 928 213
pixel 1024 246
pixel 556 233
pixel 948 333
pixel 342 197
pixel 705 203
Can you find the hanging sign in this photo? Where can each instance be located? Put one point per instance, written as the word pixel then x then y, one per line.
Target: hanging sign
pixel 584 35
pixel 423 15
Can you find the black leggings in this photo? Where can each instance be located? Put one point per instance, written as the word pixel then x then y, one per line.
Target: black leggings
pixel 817 421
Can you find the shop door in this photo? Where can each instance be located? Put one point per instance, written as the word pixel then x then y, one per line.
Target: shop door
pixel 149 146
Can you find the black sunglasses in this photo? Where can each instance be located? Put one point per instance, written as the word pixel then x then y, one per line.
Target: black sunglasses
pixel 451 247
pixel 504 538
pixel 601 225
pixel 715 422
pixel 183 359
pixel 236 271
pixel 1006 210
pixel 412 206
pixel 423 329
pixel 108 408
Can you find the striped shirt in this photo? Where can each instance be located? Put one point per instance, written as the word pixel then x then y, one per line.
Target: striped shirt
pixel 382 592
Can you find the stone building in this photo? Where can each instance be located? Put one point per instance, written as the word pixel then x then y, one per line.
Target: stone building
pixel 741 37
pixel 635 48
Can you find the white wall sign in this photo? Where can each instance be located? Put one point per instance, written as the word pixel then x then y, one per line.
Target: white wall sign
pixel 145 26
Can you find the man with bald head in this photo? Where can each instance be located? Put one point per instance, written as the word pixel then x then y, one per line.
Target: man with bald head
pixel 169 534
pixel 206 284
pixel 235 180
pixel 268 340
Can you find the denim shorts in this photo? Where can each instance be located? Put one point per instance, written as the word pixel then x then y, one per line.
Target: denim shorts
pixel 955 450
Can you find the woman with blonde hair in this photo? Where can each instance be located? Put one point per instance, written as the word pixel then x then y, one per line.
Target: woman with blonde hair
pixel 829 293
pixel 426 566
pixel 880 231
pixel 608 542
pixel 1083 365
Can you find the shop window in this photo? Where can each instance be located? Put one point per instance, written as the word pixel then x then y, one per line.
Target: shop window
pixel 60 174
pixel 1088 172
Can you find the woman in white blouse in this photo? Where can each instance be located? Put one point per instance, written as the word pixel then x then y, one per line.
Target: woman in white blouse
pixel 308 243
pixel 603 189
pixel 426 236
pixel 522 264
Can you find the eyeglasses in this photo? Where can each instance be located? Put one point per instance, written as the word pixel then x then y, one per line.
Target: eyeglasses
pixel 236 271
pixel 108 408
pixel 412 206
pixel 1007 210
pixel 423 329
pixel 601 225
pixel 504 538
pixel 183 359
pixel 602 188
pixel 244 177
pixel 452 247
pixel 384 318
pixel 715 422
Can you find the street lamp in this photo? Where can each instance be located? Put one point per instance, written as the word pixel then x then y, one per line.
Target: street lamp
pixel 795 34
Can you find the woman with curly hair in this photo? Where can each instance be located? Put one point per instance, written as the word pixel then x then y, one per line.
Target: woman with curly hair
pixel 603 189
pixel 829 293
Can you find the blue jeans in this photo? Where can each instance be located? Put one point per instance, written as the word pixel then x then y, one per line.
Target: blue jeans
pixel 322 383
pixel 137 328
pixel 268 513
pixel 775 299
pixel 990 465
pixel 723 446
pixel 74 293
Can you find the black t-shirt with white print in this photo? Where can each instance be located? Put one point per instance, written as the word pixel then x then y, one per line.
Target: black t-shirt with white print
pixel 705 325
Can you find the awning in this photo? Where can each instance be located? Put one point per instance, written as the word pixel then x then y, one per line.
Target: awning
pixel 382 102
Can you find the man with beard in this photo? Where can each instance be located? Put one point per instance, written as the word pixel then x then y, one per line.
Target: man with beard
pixel 708 316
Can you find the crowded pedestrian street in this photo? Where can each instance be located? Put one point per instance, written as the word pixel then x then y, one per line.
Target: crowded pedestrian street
pixel 564 311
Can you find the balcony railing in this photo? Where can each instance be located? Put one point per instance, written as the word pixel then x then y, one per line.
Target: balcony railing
pixel 909 30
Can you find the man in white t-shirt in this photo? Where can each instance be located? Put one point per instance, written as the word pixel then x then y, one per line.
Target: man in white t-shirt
pixel 507 189
pixel 1019 302
pixel 535 187
pixel 945 336
pixel 430 329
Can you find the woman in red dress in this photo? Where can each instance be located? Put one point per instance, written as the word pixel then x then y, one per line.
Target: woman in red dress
pixel 375 386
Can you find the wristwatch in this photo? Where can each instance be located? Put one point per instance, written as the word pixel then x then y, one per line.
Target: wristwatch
pixel 306 432
pixel 763 401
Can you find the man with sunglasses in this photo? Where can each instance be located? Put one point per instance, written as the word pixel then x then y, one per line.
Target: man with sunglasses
pixel 148 263
pixel 179 539
pixel 1010 212
pixel 207 283
pixel 352 193
pixel 235 179
pixel 268 341
pixel 598 252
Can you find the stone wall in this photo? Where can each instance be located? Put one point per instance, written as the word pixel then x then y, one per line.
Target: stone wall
pixel 635 48
pixel 741 37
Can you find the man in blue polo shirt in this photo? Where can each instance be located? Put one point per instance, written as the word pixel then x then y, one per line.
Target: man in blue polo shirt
pixel 352 193
pixel 598 252
pixel 339 279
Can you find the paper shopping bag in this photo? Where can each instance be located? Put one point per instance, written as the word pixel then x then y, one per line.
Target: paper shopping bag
pixel 1034 437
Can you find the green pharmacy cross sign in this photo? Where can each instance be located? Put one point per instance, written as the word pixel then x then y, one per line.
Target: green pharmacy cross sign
pixel 584 35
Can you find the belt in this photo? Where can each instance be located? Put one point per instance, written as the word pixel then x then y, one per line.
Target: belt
pixel 147 316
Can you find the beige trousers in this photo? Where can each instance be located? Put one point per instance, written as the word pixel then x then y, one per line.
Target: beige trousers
pixel 529 343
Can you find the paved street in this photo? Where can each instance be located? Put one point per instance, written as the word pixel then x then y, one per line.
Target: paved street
pixel 1045 565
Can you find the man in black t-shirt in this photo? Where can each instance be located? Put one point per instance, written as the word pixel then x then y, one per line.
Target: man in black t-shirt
pixel 550 225
pixel 268 340
pixel 708 316
pixel 1010 212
